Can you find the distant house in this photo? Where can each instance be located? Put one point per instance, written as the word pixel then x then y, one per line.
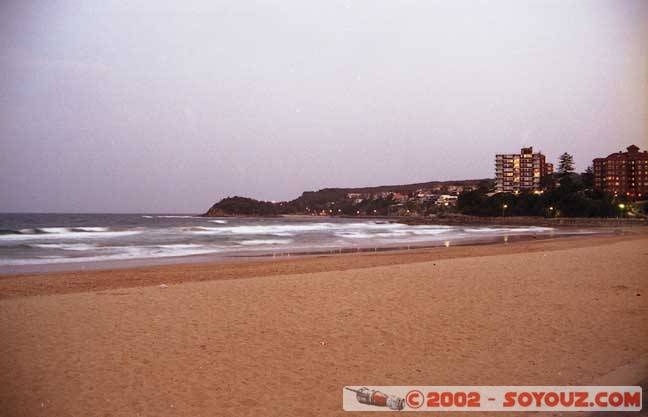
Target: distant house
pixel 400 197
pixel 424 195
pixel 383 194
pixel 447 200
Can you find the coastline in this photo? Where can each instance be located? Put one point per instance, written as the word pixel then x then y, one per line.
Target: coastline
pixel 109 276
pixel 460 219
pixel 171 239
pixel 258 338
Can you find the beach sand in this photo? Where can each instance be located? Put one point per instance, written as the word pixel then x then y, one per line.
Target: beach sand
pixel 282 338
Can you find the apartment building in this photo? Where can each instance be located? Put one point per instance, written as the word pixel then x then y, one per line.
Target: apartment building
pixel 623 173
pixel 520 171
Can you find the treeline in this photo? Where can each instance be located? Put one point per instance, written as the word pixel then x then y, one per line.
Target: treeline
pixel 242 206
pixel 566 195
pixel 334 201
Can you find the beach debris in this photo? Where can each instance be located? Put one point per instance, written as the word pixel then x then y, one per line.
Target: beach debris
pixel 164 286
pixel 322 343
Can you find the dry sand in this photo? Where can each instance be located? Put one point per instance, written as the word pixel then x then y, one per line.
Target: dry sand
pixel 282 338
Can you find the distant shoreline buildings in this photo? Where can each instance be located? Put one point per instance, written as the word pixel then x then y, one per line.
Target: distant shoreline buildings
pixel 623 173
pixel 521 171
pixel 618 174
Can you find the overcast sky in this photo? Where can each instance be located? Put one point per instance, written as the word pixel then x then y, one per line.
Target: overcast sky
pixel 159 106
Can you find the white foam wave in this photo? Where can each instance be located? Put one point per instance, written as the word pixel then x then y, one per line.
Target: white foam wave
pixel 76 244
pixel 180 246
pixel 252 242
pixel 65 246
pixel 121 253
pixel 354 235
pixel 92 229
pixel 65 233
pixel 535 229
pixel 53 230
pixel 422 230
pixel 290 229
pixel 395 233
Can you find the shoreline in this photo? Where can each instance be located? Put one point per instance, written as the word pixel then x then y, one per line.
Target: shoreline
pixel 454 219
pixel 63 282
pixel 250 255
pixel 71 264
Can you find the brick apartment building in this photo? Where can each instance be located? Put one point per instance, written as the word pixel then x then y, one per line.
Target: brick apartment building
pixel 520 171
pixel 623 173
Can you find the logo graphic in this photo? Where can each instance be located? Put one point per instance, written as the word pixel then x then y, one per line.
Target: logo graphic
pixel 376 398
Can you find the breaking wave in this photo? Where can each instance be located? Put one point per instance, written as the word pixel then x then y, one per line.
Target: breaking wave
pixel 292 229
pixel 65 233
pixel 534 229
pixel 64 246
pixel 134 237
pixel 113 253
pixel 265 242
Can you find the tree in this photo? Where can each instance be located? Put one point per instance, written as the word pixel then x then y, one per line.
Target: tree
pixel 588 177
pixel 565 164
pixel 471 202
pixel 237 206
pixel 485 186
pixel 548 182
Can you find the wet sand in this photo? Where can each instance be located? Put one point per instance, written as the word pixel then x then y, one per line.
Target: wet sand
pixel 283 337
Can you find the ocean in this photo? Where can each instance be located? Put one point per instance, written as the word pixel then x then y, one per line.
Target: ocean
pixel 45 242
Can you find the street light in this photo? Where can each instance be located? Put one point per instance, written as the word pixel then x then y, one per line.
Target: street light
pixel 622 208
pixel 504 207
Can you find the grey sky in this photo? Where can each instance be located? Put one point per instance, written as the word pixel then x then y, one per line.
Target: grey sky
pixel 151 106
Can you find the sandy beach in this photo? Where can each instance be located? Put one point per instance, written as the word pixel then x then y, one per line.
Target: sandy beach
pixel 282 337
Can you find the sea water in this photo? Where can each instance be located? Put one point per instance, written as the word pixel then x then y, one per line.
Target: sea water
pixel 50 239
